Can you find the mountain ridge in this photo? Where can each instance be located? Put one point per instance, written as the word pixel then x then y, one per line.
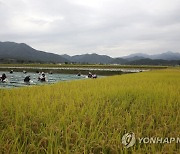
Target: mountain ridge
pixel 22 51
pixel 169 55
pixel 12 50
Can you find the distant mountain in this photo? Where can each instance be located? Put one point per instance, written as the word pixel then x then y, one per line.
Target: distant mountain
pixel 119 61
pixel 21 51
pixel 164 56
pixel 136 55
pixel 89 58
pixel 11 52
pixel 134 58
pixel 148 61
pixel 67 57
pixel 167 58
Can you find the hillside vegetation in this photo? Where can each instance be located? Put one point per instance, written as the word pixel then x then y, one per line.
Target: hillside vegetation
pixel 91 116
pixel 20 53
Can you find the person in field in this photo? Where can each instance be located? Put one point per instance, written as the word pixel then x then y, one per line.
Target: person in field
pixel 27 79
pixel 79 74
pixel 3 78
pixel 89 75
pixel 42 78
pixel 94 76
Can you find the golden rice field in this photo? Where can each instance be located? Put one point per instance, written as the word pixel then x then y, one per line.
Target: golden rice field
pixel 91 116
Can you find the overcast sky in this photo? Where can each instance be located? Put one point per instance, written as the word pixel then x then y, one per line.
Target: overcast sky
pixel 112 27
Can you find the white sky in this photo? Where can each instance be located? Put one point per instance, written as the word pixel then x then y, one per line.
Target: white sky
pixel 112 27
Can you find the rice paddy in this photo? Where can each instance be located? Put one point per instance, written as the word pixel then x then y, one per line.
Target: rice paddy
pixel 16 79
pixel 91 116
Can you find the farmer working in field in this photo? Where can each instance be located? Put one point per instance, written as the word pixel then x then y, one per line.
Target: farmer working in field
pixel 3 78
pixel 42 78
